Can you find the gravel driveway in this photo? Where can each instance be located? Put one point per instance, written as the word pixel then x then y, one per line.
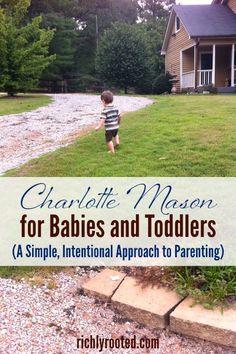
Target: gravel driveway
pixel 28 135
pixel 48 318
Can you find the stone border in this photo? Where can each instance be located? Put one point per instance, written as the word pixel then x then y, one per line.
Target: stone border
pixel 159 308
pixel 104 284
pixel 149 306
pixel 213 325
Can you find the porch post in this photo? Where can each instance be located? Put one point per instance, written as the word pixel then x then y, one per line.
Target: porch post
pixel 213 64
pixel 232 65
pixel 195 66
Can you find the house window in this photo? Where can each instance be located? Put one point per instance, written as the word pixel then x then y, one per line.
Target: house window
pixel 177 24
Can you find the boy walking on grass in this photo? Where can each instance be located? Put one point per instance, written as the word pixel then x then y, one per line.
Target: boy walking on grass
pixel 110 118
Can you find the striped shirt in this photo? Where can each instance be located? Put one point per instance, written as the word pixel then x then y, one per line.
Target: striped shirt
pixel 111 115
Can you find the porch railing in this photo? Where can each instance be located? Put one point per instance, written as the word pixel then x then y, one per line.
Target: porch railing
pixel 205 77
pixel 188 79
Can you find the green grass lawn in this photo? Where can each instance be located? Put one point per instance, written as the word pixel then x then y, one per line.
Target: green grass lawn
pixel 176 136
pixel 23 103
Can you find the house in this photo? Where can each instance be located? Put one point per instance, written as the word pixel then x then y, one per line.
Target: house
pixel 199 46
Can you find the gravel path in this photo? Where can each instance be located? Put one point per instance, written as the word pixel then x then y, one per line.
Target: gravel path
pixel 49 318
pixel 28 135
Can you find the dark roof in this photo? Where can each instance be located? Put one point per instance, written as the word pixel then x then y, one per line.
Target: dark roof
pixel 207 20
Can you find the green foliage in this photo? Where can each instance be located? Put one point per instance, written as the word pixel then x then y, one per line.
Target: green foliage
pixel 207 285
pixel 107 12
pixel 155 32
pixel 65 8
pixel 162 84
pixel 124 56
pixel 80 26
pixel 152 10
pixel 3 50
pixel 15 9
pixel 62 17
pixel 24 48
pixel 64 45
pixel 95 17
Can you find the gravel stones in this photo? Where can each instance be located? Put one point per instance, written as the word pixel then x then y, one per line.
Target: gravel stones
pixel 28 135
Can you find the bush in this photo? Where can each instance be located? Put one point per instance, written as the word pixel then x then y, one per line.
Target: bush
pixel 162 84
pixel 145 86
pixel 209 88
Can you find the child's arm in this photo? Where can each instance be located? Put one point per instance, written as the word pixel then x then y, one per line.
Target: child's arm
pixel 100 124
pixel 119 119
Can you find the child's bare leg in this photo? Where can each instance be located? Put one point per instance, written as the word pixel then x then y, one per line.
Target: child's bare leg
pixel 117 140
pixel 110 146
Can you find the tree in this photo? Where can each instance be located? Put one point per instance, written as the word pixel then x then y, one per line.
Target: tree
pixel 25 53
pixel 66 8
pixel 59 15
pixel 3 51
pixel 155 33
pixel 96 16
pixel 123 56
pixel 78 25
pixel 64 45
pixel 154 9
pixel 107 12
pixel 154 16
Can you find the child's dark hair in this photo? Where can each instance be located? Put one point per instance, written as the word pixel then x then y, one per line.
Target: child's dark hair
pixel 107 97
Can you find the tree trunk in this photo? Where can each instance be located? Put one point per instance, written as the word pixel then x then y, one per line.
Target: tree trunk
pixel 126 90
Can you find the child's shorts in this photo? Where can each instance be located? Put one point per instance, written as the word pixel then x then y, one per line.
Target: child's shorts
pixel 109 134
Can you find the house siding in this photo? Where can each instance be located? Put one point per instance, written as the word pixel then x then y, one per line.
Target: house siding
pixel 188 60
pixel 232 4
pixel 177 42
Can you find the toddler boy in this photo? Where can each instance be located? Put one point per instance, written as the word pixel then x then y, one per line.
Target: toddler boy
pixel 110 118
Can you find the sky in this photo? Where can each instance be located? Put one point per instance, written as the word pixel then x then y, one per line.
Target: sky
pixel 193 2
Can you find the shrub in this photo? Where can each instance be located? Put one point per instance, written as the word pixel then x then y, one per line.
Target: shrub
pixel 162 84
pixel 209 88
